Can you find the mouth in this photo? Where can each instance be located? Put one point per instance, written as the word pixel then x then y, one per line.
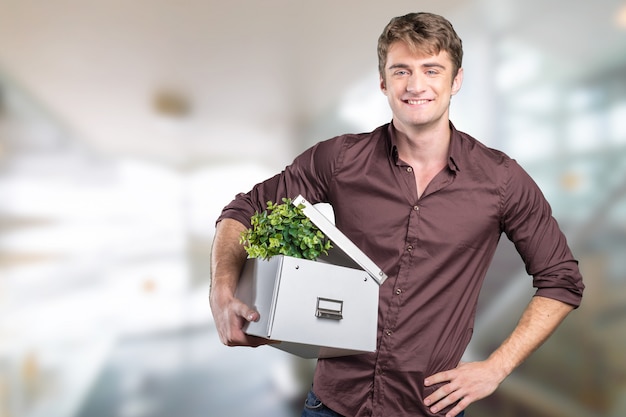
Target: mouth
pixel 417 102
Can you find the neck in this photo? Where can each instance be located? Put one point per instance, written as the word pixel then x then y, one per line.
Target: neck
pixel 425 147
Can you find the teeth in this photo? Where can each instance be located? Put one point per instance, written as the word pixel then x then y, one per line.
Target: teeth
pixel 417 101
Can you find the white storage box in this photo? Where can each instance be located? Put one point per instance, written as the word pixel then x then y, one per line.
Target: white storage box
pixel 322 308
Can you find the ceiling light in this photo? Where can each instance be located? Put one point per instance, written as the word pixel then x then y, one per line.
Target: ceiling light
pixel 171 104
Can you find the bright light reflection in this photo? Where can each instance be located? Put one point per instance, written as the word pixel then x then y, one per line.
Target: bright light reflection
pixel 583 99
pixel 530 140
pixel 617 123
pixel 541 101
pixel 519 64
pixel 587 131
pixel 209 189
pixel 134 189
pixel 364 106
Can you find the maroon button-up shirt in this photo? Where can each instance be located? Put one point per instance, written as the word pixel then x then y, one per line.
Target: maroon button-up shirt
pixel 436 250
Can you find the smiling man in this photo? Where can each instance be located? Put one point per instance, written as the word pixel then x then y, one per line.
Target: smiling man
pixel 419 86
pixel 428 204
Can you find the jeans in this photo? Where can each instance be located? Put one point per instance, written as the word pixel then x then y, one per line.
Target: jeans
pixel 313 407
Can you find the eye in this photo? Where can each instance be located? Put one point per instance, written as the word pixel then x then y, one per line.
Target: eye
pixel 401 73
pixel 432 72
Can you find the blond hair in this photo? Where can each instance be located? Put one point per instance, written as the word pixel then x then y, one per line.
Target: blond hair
pixel 424 33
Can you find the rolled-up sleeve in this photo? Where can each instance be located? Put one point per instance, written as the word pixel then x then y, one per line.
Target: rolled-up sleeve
pixel 528 222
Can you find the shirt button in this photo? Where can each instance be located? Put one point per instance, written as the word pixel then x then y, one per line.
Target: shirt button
pixel 416 208
pixel 409 248
pixel 398 291
pixel 409 169
pixel 388 332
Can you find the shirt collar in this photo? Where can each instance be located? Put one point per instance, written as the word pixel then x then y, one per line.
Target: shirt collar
pixel 393 147
pixel 455 151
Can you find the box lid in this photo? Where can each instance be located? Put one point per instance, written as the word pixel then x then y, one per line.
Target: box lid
pixel 344 251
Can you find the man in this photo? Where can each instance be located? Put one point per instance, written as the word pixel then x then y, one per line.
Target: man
pixel 427 204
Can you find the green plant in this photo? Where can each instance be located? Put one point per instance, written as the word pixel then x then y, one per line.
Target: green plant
pixel 283 229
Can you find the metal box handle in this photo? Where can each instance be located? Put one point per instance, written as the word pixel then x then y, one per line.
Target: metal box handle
pixel 327 308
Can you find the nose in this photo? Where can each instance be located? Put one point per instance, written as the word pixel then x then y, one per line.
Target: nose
pixel 415 83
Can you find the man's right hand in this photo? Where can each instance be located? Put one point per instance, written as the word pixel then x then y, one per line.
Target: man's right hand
pixel 230 316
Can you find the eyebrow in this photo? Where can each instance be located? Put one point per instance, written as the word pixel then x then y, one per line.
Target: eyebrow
pixel 395 66
pixel 424 65
pixel 433 65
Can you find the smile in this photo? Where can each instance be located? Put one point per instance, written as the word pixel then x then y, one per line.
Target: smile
pixel 417 102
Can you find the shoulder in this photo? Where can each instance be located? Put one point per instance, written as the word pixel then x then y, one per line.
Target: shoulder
pixel 364 139
pixel 479 161
pixel 475 149
pixel 491 166
pixel 338 147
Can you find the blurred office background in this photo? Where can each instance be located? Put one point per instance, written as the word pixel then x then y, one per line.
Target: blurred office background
pixel 125 126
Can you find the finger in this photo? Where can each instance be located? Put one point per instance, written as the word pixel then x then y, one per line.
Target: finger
pixel 254 341
pixel 460 406
pixel 447 401
pixel 439 396
pixel 243 339
pixel 252 315
pixel 242 310
pixel 437 378
pixel 236 334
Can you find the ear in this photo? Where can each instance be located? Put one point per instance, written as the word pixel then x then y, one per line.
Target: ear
pixel 383 85
pixel 457 81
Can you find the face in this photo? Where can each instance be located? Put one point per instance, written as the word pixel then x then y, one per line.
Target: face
pixel 419 88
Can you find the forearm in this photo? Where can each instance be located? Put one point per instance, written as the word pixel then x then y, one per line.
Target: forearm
pixel 538 322
pixel 227 259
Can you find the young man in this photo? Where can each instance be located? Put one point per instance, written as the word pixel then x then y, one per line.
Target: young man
pixel 427 204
